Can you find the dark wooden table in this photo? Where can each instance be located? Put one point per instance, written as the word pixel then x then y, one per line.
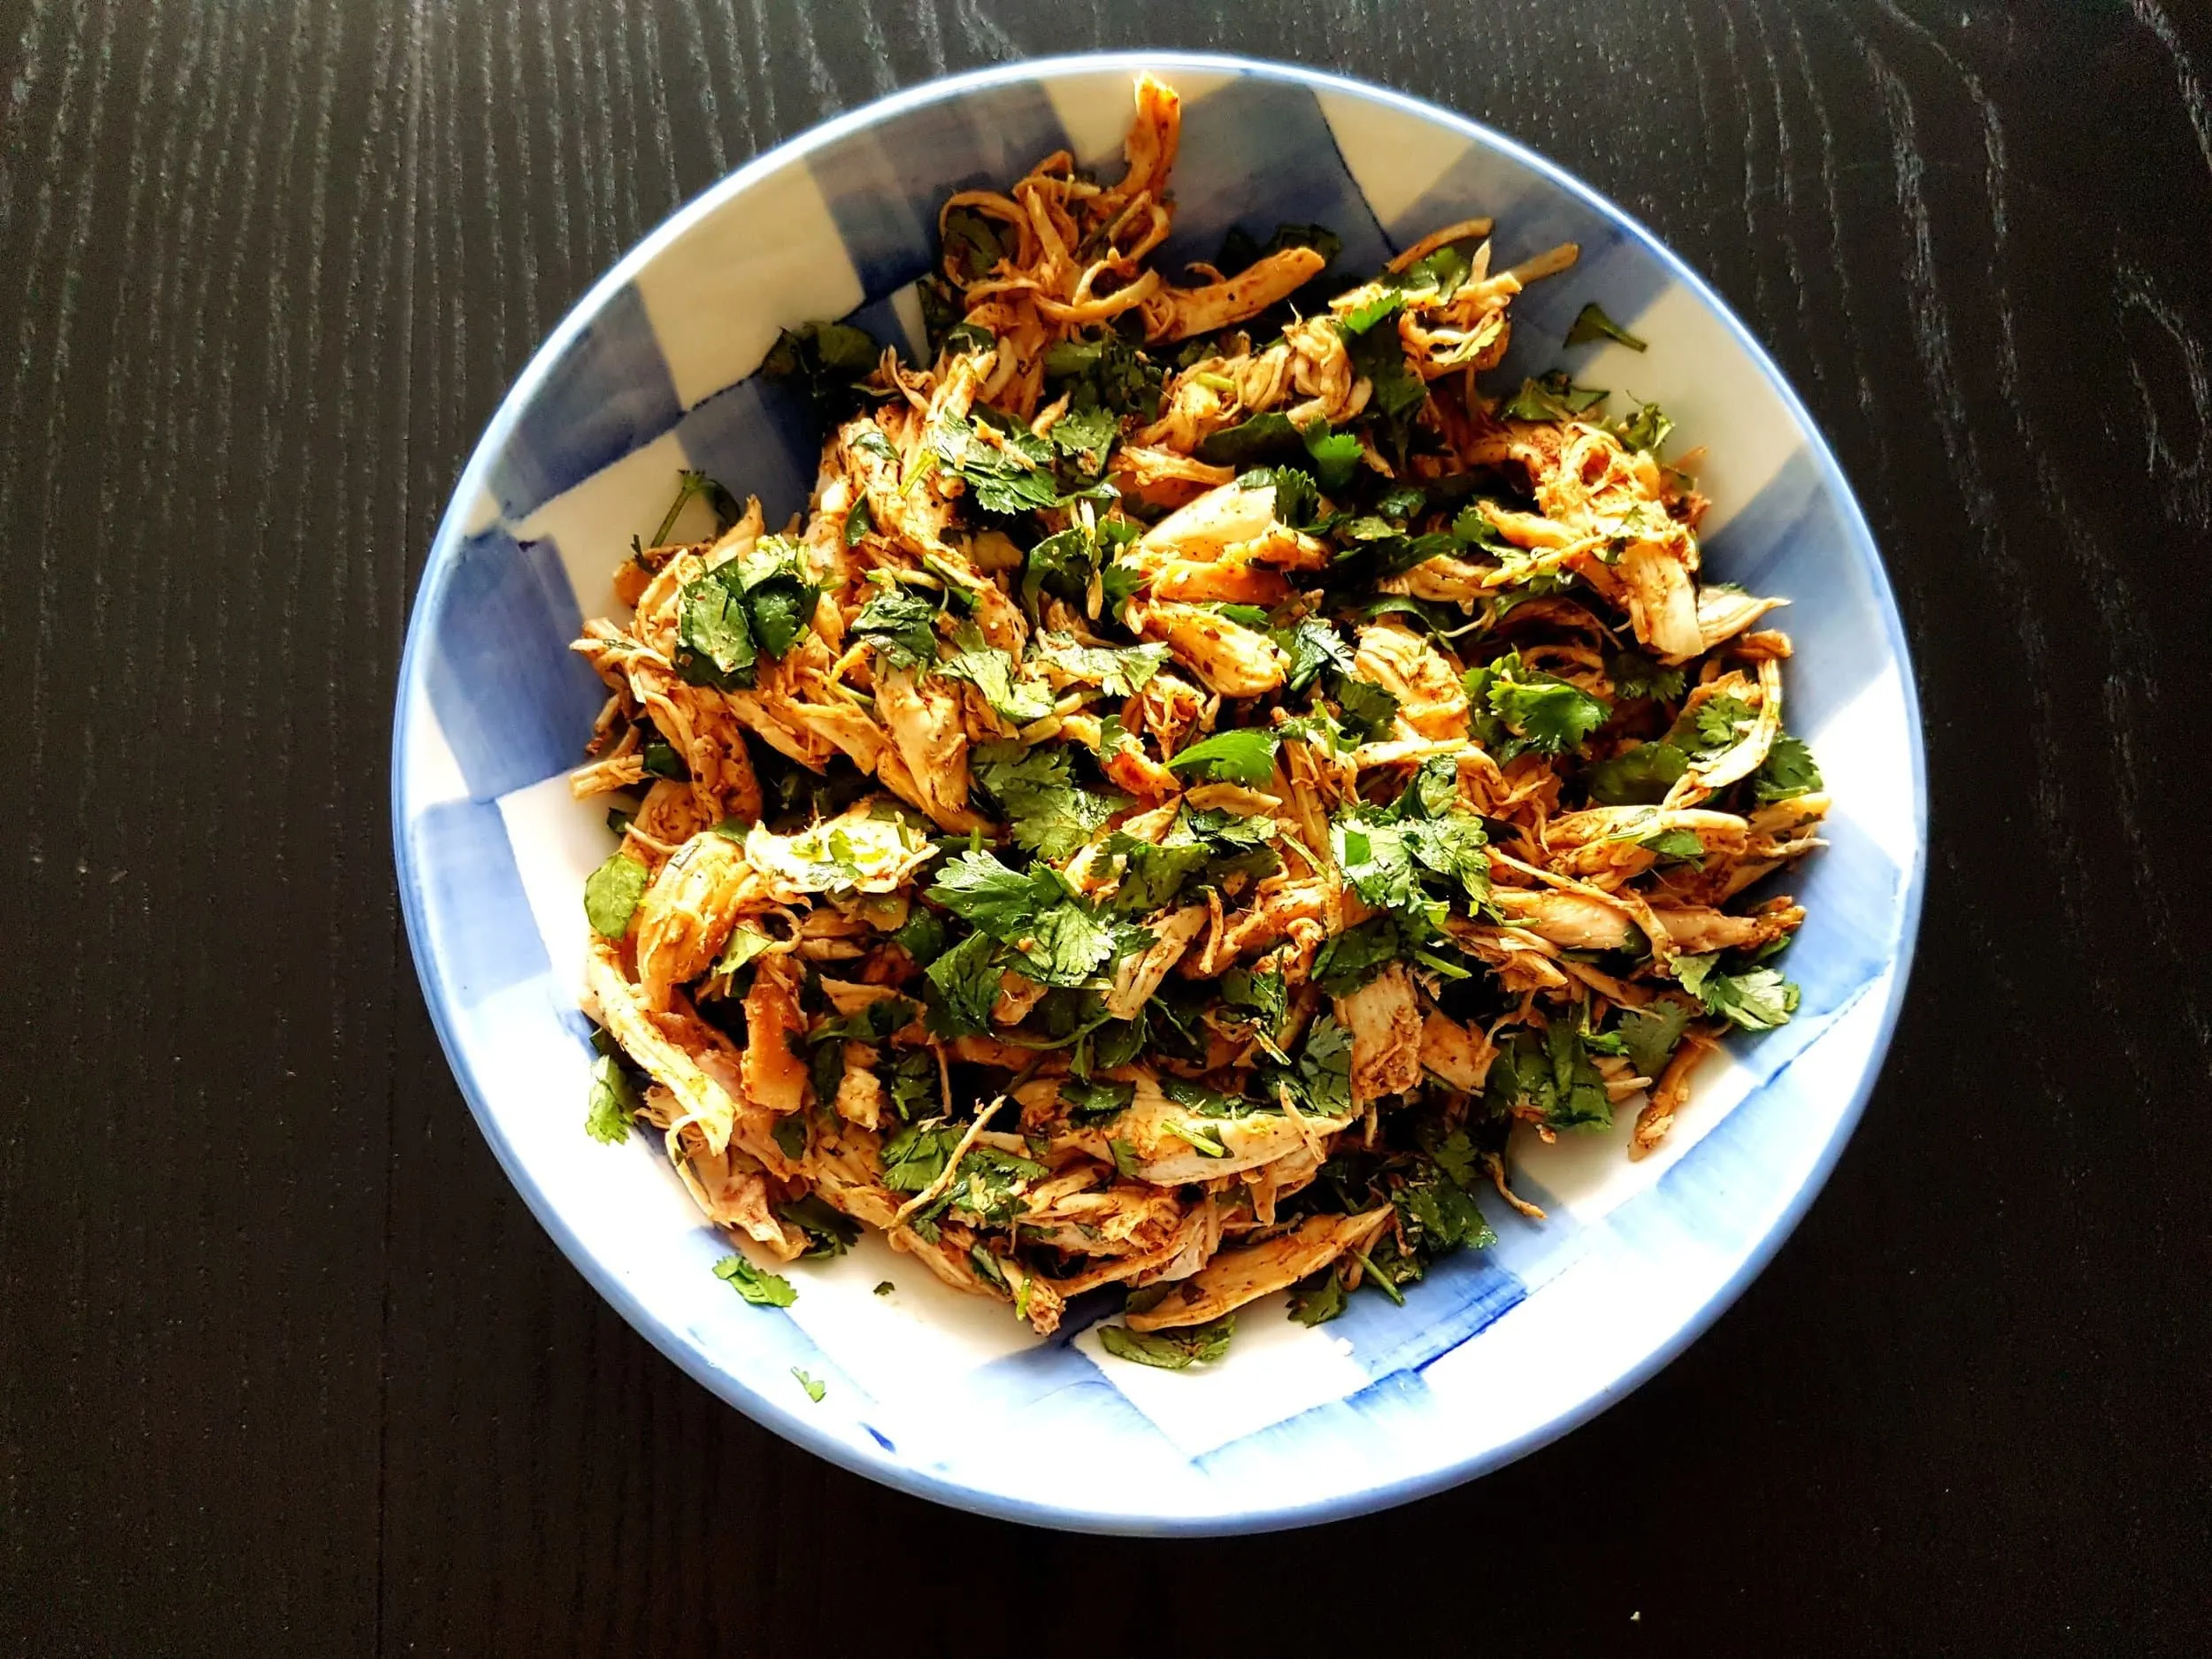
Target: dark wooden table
pixel 284 1366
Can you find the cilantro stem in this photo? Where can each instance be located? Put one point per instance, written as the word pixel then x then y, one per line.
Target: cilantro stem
pixel 1375 1273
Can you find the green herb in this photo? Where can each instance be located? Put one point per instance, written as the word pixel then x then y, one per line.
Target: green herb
pixel 1244 754
pixel 1591 324
pixel 761 600
pixel 757 1285
pixel 1297 498
pixel 916 1155
pixel 1714 727
pixel 1517 711
pixel 824 362
pixel 858 521
pixel 814 1390
pixel 829 1232
pixel 1265 995
pixel 885 1288
pixel 1110 372
pixel 1090 1105
pixel 1013 475
pixel 611 894
pixel 746 943
pixel 1788 771
pixel 1312 645
pixel 1549 1073
pixel 873 1022
pixel 962 985
pixel 1551 397
pixel 1644 428
pixel 1050 814
pixel 1639 776
pixel 900 625
pixel 1370 710
pixel 1126 1163
pixel 971 242
pixel 1318 1298
pixel 1348 960
pixel 790 1135
pixel 1676 843
pixel 1649 1035
pixel 1272 437
pixel 1757 1000
pixel 690 485
pixel 612 1103
pixel 1171 1349
pixel 658 758
pixel 1635 675
pixel 1016 695
pixel 1119 671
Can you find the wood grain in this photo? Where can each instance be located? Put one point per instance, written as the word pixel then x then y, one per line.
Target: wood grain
pixel 284 1364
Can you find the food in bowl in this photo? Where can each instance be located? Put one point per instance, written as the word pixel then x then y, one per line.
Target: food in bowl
pixel 1202 772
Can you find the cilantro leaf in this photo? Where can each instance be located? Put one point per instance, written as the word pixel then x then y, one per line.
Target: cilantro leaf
pixel 1242 755
pixel 1312 645
pixel 981 891
pixel 916 1155
pixel 814 1389
pixel 829 1232
pixel 1297 498
pixel 1016 695
pixel 757 1285
pixel 1274 437
pixel 1112 371
pixel 1519 710
pixel 612 1103
pixel 1264 994
pixel 1635 675
pixel 1757 1000
pixel 1348 960
pixel 1119 671
pixel 1638 776
pixel 971 242
pixel 1788 771
pixel 611 894
pixel 1551 397
pixel 1065 945
pixel 962 985
pixel 1090 1105
pixel 1170 1349
pixel 1713 728
pixel 1592 324
pixel 1011 475
pixel 1318 1298
pixel 1086 435
pixel 1644 428
pixel 859 522
pixel 824 362
pixel 1051 816
pixel 1649 1035
pixel 899 625
pixel 714 637
pixel 1370 710
pixel 1550 1072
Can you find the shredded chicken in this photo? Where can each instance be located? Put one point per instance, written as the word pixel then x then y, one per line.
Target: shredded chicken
pixel 1201 776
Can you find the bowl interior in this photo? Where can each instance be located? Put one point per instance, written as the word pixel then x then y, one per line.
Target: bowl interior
pixel 1493 1354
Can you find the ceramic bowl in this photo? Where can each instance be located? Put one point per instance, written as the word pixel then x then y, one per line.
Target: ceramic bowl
pixel 1493 1354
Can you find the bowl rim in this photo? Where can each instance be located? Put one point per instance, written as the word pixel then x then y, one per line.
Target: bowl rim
pixel 867 1459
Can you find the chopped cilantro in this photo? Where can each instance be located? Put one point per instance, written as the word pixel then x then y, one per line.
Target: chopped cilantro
pixel 1016 693
pixel 901 626
pixel 1244 754
pixel 1639 776
pixel 1170 1349
pixel 1518 710
pixel 1757 1000
pixel 757 1285
pixel 1550 1072
pixel 1635 675
pixel 1591 324
pixel 1050 814
pixel 1318 1298
pixel 1788 771
pixel 829 1232
pixel 611 894
pixel 814 1390
pixel 1650 1033
pixel 613 1102
pixel 962 985
pixel 1644 428
pixel 823 361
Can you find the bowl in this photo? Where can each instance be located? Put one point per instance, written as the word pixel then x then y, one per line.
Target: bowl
pixel 1493 1353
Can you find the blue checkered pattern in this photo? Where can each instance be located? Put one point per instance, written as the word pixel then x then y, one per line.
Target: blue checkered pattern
pixel 1493 1354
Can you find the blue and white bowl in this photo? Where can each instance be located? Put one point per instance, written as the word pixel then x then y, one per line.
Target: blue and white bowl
pixel 1493 1353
